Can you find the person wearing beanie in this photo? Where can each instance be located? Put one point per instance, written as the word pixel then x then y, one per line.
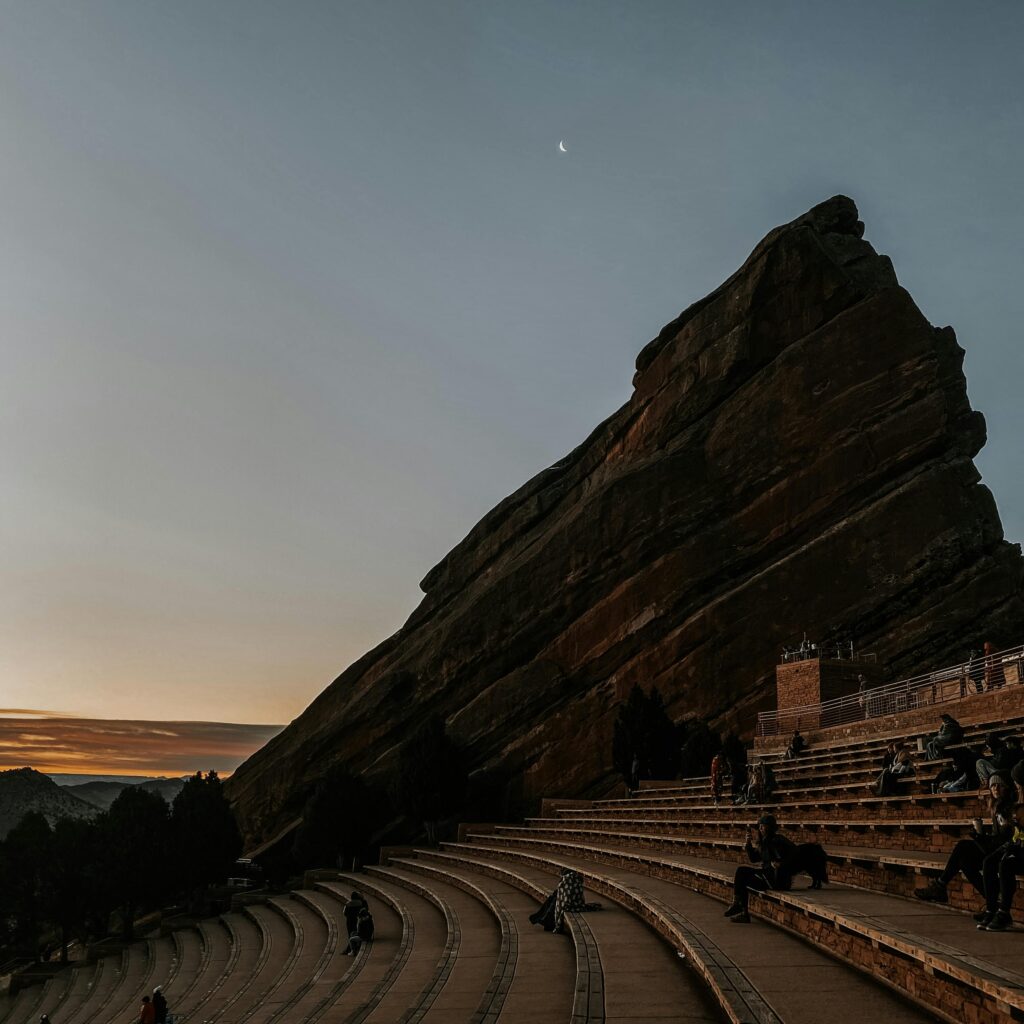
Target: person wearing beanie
pixel 969 854
pixel 999 872
pixel 775 858
pixel 159 1005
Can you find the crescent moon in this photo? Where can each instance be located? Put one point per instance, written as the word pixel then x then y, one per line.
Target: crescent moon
pixel 561 147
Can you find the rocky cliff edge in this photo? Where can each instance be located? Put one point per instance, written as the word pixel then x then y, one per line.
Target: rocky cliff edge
pixel 796 457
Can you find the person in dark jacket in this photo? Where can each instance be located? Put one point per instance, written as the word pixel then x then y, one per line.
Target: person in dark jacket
pixel 160 1005
pixel 899 766
pixel 969 854
pixel 362 931
pixel 797 745
pixel 356 902
pixel 962 774
pixel 720 771
pixel 1004 755
pixel 999 873
pixel 775 856
pixel 950 732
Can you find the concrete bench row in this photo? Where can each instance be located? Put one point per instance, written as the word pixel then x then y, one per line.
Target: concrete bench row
pixel 879 868
pixel 252 966
pixel 912 952
pixel 909 806
pixel 932 835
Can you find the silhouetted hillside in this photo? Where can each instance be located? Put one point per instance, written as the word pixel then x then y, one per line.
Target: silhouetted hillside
pixel 102 794
pixel 24 789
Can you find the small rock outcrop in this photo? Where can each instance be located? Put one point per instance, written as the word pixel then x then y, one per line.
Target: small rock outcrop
pixel 796 456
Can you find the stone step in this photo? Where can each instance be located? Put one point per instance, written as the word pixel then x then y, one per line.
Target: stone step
pixel 26 1006
pixel 851 786
pixel 156 965
pixel 329 971
pixel 276 947
pixel 913 806
pixel 97 990
pixel 529 980
pixel 238 971
pixel 136 970
pixel 342 986
pixel 627 972
pixel 54 994
pixel 469 977
pixel 434 940
pixel 973 733
pixel 309 954
pixel 216 942
pixel 114 985
pixel 936 835
pixel 900 942
pixel 381 962
pixel 896 872
pixel 79 986
pixel 781 979
pixel 187 961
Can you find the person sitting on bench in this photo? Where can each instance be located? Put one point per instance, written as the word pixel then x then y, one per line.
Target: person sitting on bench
pixel 969 854
pixel 796 745
pixel 950 732
pixel 777 860
pixel 901 765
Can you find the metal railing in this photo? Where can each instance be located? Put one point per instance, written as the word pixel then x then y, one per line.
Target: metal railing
pixel 946 685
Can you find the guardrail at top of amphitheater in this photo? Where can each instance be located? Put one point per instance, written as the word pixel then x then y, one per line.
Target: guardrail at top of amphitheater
pixel 941 686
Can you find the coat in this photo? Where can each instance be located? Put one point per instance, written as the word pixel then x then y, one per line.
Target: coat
pixel 777 856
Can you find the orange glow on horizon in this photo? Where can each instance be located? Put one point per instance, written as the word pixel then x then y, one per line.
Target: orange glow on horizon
pixel 92 746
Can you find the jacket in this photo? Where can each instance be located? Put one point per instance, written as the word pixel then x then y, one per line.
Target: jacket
pixel 776 855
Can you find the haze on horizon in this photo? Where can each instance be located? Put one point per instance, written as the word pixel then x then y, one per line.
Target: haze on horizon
pixel 293 294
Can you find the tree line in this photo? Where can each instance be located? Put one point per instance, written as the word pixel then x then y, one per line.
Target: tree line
pixel 85 879
pixel 647 744
pixel 344 818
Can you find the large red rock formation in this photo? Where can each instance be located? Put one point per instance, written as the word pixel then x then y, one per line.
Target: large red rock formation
pixel 796 456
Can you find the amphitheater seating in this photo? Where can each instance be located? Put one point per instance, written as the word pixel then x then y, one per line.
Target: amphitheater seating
pixel 149 964
pixel 454 943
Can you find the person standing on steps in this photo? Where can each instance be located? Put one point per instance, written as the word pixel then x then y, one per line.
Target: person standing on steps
pixel 720 771
pixel 969 854
pixel 634 773
pixel 774 855
pixel 159 1005
pixel 147 1012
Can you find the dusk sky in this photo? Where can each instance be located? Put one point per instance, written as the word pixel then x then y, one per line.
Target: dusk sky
pixel 292 294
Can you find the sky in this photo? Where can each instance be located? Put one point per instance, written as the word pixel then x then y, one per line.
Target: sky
pixel 292 294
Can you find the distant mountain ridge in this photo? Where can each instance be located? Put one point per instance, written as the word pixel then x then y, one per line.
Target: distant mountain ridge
pixel 102 794
pixel 23 790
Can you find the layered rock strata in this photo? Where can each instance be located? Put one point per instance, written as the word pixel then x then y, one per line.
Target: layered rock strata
pixel 796 457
